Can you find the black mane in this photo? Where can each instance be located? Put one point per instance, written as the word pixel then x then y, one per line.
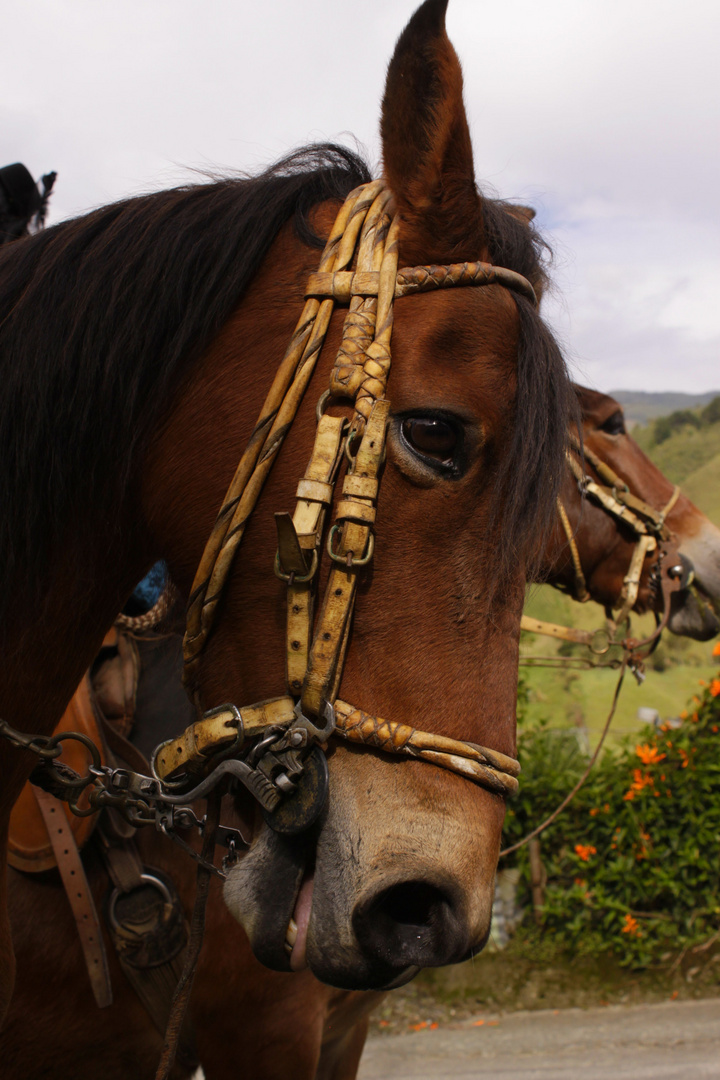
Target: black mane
pixel 101 317
pixel 529 479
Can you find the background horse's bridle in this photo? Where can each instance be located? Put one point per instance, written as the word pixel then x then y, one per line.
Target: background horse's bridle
pixel 650 533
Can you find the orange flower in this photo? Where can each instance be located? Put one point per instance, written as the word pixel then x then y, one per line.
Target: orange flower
pixel 631 926
pixel 684 758
pixel 629 796
pixel 606 808
pixel 584 851
pixel 595 811
pixel 715 688
pixel 716 649
pixel 649 755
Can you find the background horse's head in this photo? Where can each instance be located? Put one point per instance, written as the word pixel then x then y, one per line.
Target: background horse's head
pixel 606 545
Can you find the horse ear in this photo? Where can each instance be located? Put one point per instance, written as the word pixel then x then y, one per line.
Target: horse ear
pixel 426 144
pixel 522 213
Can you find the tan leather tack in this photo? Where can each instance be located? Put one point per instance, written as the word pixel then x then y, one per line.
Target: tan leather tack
pixel 29 848
pixel 217 732
pixel 619 502
pixel 315 491
pixel 362 366
pixel 78 893
pixel 346 284
pixel 274 422
pixel 309 518
pixel 580 591
pixel 327 649
pixel 489 768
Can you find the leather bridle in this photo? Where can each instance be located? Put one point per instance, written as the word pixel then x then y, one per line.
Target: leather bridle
pixel 315 656
pixel 651 534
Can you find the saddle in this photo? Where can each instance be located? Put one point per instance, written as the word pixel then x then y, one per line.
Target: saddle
pixel 107 690
pixel 142 911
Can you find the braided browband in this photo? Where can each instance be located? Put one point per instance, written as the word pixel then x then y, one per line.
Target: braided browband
pixel 344 284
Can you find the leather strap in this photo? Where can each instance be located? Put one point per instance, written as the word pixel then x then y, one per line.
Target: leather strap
pixel 580 593
pixel 314 494
pixel 330 639
pixel 78 893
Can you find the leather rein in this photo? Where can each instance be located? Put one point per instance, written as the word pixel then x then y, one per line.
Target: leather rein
pixel 275 747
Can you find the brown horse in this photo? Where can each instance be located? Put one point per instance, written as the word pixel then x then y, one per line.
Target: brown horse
pixel 284 1023
pixel 137 344
pixel 606 546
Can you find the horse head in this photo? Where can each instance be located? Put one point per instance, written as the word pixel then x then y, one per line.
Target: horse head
pixel 398 873
pixel 605 544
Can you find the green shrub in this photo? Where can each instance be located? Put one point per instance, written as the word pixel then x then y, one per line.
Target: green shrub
pixel 665 425
pixel 633 865
pixel 711 413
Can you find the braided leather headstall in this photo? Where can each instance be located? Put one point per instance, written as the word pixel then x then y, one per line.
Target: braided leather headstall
pixel 364 231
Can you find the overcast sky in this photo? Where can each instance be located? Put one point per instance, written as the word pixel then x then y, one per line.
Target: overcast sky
pixel 602 114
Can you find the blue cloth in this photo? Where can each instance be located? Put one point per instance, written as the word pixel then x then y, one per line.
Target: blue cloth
pixel 147 593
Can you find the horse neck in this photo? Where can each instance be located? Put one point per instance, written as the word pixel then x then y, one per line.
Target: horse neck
pixel 49 643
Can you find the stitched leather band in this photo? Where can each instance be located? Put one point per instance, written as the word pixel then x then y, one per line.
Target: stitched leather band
pixel 314 493
pixel 78 893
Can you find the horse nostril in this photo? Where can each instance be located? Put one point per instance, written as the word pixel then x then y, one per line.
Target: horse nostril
pixel 412 904
pixel 412 922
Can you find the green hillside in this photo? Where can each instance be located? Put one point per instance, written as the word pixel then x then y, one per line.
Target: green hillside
pixel 703 487
pixel 641 406
pixel 686 451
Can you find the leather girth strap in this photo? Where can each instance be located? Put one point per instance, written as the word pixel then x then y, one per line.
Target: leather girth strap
pixel 148 929
pixel 78 893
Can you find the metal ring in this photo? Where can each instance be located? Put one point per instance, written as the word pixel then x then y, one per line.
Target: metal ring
pixel 342 559
pixel 76 736
pixel 148 879
pixel 595 648
pixel 297 579
pixel 322 404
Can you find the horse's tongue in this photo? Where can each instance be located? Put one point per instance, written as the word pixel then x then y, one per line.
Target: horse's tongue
pixel 301 916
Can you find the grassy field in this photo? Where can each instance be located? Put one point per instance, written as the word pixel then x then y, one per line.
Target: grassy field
pixel 690 457
pixel 682 455
pixel 582 698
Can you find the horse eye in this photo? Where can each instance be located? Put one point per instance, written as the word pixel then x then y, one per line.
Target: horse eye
pixel 614 425
pixel 432 438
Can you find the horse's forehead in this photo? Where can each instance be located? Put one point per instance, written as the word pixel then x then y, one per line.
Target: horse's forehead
pixel 460 343
pixel 596 407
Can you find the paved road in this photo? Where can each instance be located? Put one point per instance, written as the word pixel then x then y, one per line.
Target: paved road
pixel 672 1041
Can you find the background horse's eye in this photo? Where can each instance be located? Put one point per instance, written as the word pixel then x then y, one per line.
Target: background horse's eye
pixel 615 424
pixel 432 438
